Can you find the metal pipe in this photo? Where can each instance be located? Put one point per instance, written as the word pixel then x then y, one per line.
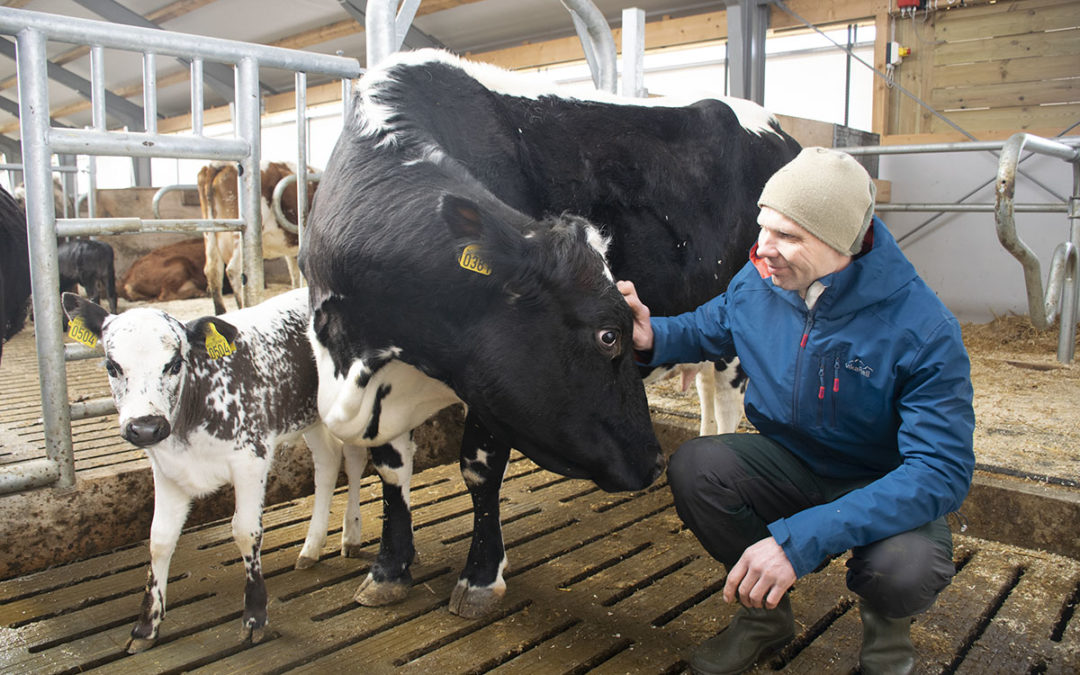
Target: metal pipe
pixel 168 43
pixel 87 142
pixel 89 227
pixel 162 191
pixel 380 30
pixel 961 146
pixel 97 407
pixel 601 40
pixel 197 97
pixel 32 473
pixel 1042 309
pixel 301 159
pixel 971 208
pixel 149 93
pixel 78 352
pixel 633 52
pixel 248 128
pixel 279 190
pixel 44 269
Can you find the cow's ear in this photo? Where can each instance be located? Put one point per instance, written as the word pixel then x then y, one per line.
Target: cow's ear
pixel 93 315
pixel 462 216
pixel 212 337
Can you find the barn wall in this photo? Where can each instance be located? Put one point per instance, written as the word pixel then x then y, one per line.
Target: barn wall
pixel 1003 67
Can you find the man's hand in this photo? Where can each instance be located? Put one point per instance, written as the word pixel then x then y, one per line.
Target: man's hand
pixel 643 335
pixel 761 576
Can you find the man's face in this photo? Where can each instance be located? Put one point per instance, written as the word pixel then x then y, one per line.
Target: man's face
pixel 794 257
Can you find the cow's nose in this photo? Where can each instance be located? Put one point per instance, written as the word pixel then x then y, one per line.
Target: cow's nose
pixel 144 431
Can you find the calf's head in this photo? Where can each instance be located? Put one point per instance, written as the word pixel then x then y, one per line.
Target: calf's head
pixel 152 359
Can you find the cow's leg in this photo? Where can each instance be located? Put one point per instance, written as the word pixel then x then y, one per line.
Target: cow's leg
pixel 250 487
pixel 326 456
pixel 171 507
pixel 706 389
pixel 356 458
pixel 235 269
pixel 481 587
pixel 110 286
pixel 213 269
pixel 730 385
pixel 294 270
pixel 389 579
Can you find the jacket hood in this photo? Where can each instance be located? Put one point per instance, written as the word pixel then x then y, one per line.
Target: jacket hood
pixel 871 277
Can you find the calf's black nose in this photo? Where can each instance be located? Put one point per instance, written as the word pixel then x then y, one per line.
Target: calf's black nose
pixel 144 431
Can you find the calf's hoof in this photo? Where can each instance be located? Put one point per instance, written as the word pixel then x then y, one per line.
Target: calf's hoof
pixel 253 634
pixel 378 593
pixel 473 602
pixel 138 644
pixel 304 562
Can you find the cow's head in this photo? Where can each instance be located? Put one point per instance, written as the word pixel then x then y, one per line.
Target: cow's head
pixel 548 357
pixel 150 357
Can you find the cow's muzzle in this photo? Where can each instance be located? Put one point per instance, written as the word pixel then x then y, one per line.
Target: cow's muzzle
pixel 144 431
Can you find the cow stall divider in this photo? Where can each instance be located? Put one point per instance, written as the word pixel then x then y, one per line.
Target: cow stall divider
pixel 40 140
pixel 1062 293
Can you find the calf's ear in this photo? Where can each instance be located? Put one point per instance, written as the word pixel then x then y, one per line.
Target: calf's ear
pixel 212 337
pixel 93 315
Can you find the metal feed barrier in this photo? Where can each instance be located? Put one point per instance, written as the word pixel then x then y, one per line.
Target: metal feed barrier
pixel 1063 281
pixel 40 141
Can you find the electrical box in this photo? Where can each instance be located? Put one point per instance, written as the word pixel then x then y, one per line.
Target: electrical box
pixel 904 4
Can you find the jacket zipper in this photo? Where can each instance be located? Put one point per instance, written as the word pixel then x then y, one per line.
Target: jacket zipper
pixel 821 391
pixel 835 388
pixel 798 366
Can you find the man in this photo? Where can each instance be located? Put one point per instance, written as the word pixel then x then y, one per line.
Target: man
pixel 860 389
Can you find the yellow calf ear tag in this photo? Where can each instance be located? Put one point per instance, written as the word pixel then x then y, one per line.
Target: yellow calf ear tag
pixel 470 259
pixel 78 332
pixel 216 344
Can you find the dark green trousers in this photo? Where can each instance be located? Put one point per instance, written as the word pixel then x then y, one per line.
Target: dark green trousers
pixel 728 488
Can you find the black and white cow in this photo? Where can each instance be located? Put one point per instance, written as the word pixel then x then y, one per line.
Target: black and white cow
pixel 14 268
pixel 210 401
pixel 458 235
pixel 90 263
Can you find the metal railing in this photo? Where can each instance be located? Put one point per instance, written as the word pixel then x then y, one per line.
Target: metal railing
pixel 40 141
pixel 1063 282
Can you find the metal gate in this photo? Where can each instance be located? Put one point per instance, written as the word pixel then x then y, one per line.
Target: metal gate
pixel 40 141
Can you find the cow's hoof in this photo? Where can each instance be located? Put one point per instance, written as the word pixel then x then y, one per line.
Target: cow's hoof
pixel 351 550
pixel 252 634
pixel 474 602
pixel 138 644
pixel 378 593
pixel 304 562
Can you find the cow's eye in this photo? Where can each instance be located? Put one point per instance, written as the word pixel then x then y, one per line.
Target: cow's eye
pixel 112 368
pixel 173 367
pixel 608 340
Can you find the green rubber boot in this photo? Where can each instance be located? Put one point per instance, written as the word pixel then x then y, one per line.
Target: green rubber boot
pixel 751 633
pixel 886 645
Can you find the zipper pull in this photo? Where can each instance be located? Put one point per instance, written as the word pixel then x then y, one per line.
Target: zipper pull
pixel 821 380
pixel 836 375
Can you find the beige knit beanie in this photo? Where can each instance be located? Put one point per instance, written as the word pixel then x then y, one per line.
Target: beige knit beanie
pixel 828 193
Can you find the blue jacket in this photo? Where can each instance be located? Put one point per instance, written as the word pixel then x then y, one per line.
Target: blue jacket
pixel 873 382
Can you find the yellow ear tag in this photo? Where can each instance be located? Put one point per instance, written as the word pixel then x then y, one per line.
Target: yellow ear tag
pixel 78 332
pixel 470 259
pixel 216 344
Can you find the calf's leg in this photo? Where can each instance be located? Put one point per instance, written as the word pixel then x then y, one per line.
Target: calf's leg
pixel 481 587
pixel 389 579
pixel 171 507
pixel 326 456
pixel 247 532
pixel 356 458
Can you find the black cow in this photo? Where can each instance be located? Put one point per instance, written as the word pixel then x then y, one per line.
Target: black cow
pixel 89 263
pixel 14 268
pixel 442 155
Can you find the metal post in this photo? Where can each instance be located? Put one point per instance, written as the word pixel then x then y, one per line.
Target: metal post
pixel 747 22
pixel 249 128
pixel 301 154
pixel 97 103
pixel 633 52
pixel 44 271
pixel 380 30
pixel 595 35
pixel 197 97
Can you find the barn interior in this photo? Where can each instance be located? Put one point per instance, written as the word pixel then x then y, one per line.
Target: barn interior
pixel 597 582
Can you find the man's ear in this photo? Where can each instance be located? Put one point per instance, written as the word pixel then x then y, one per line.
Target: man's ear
pixel 211 337
pixel 93 315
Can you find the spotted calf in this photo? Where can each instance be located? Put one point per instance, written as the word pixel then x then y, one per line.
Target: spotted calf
pixel 210 401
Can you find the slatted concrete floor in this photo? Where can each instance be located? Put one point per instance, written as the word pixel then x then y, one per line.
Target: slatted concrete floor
pixel 598 583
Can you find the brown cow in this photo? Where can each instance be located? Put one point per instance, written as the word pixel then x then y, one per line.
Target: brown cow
pixel 218 199
pixel 173 272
